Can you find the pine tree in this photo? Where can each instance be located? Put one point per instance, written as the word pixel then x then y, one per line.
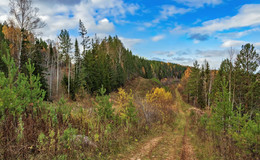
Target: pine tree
pixel 193 83
pixel 246 64
pixel 207 83
pixel 201 91
pixel 85 39
pixel 65 44
pixel 38 60
pixel 77 60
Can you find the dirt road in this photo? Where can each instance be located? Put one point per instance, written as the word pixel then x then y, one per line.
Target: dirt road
pixel 172 143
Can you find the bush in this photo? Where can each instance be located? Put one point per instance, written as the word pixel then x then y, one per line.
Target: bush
pixel 159 95
pixel 232 126
pixel 127 110
pixel 25 93
pixel 103 107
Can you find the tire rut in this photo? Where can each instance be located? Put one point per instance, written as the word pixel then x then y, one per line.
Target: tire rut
pixel 187 150
pixel 147 148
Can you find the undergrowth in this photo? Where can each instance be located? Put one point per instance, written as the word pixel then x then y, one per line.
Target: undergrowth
pixel 34 129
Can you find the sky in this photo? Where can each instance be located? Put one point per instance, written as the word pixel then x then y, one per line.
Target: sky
pixel 176 31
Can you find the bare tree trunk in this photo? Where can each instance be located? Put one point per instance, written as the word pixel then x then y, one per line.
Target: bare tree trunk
pixel 210 86
pixel 20 51
pixel 69 80
pixel 57 87
pixel 49 71
pixel 231 54
pixel 51 76
pixel 233 99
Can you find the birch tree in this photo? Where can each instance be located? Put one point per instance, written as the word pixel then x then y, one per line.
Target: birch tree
pixel 26 18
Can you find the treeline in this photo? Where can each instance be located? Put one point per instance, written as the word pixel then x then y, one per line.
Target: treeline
pixel 64 69
pixel 230 95
pixel 201 85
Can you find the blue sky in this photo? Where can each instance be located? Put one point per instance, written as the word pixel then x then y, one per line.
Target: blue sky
pixel 177 31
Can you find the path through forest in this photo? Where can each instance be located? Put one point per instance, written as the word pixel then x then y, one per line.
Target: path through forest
pixel 172 143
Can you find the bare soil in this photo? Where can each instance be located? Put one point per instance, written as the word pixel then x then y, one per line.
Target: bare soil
pixel 172 143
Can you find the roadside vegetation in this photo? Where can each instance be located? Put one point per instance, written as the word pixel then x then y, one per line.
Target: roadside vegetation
pixel 58 102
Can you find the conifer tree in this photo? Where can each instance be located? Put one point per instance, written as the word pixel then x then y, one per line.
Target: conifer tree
pixel 77 60
pixel 193 83
pixel 201 91
pixel 65 44
pixel 245 65
pixel 207 83
pixel 38 60
pixel 85 39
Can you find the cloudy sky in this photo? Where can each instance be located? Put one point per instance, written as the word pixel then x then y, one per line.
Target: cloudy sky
pixel 177 31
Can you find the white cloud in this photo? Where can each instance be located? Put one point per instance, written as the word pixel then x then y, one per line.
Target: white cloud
pixel 169 11
pixel 199 3
pixel 232 43
pixel 105 26
pixel 237 34
pixel 257 44
pixel 249 15
pixel 4 10
pixel 178 30
pixel 165 53
pixel 195 41
pixel 130 42
pixel 65 14
pixel 237 43
pixel 214 57
pixel 158 38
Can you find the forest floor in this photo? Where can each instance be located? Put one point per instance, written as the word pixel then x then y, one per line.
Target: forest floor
pixel 171 143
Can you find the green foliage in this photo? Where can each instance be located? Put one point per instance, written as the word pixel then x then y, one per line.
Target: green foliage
pixel 201 91
pixel 193 83
pixel 20 129
pixel 65 41
pixel 131 113
pixel 234 122
pixel 103 108
pixel 73 86
pixel 248 59
pixel 220 120
pixel 157 81
pixel 4 50
pixel 245 131
pixel 68 136
pixel 109 64
pixel 24 92
pixel 37 59
pixel 246 64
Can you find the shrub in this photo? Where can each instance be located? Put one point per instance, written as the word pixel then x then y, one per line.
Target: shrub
pixel 159 95
pixel 103 107
pixel 25 92
pixel 68 136
pixel 127 110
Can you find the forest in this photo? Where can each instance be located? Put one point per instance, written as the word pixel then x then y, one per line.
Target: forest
pixel 95 99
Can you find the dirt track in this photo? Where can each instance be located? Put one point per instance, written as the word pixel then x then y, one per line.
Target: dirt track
pixel 171 144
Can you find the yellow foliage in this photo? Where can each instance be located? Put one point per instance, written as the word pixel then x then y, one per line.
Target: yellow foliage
pixel 143 70
pixel 80 116
pixel 159 95
pixel 124 100
pixel 13 35
pixel 187 73
pixel 124 97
